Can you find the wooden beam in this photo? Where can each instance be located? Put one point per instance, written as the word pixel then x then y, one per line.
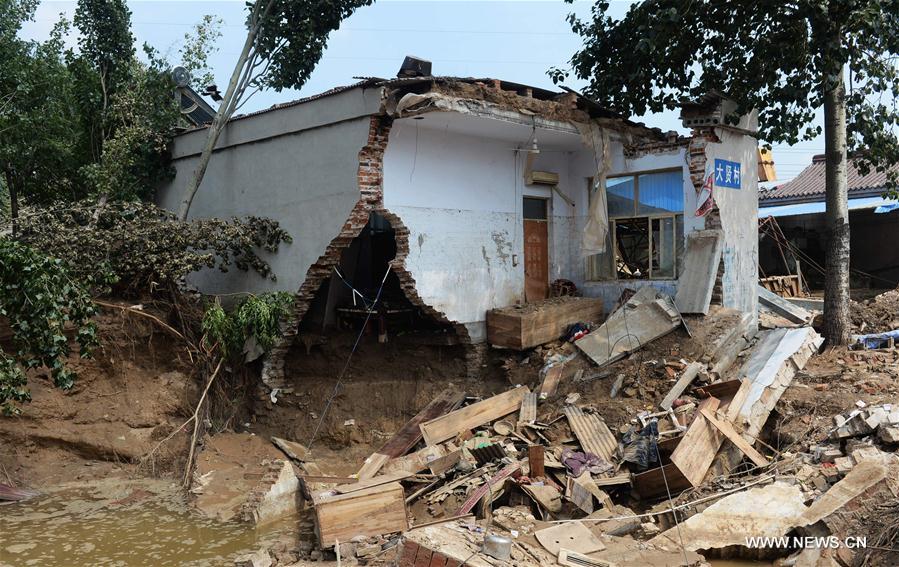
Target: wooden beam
pixel 374 511
pixel 448 426
pixel 526 326
pixel 699 445
pixel 551 380
pixel 374 481
pixel 410 433
pixel 682 383
pixel 728 430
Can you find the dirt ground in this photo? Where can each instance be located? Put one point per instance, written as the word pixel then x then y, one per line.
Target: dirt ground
pixel 134 391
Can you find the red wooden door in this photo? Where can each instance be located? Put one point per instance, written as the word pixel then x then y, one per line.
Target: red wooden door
pixel 536 260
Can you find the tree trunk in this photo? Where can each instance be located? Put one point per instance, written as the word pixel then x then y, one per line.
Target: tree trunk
pixel 13 189
pixel 836 282
pixel 226 109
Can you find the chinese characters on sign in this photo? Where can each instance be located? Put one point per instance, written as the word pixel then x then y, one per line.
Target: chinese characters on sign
pixel 727 173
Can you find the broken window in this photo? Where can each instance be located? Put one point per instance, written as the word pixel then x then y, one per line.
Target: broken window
pixel 646 227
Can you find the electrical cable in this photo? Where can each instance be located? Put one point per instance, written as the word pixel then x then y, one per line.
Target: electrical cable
pixel 346 366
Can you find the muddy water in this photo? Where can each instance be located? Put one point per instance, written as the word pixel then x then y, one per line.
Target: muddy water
pixel 122 523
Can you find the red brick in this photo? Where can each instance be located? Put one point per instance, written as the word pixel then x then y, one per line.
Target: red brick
pixel 438 560
pixel 407 554
pixel 423 557
pixel 450 562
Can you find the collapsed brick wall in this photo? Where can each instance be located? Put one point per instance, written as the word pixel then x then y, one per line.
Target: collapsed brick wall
pixel 699 139
pixel 370 179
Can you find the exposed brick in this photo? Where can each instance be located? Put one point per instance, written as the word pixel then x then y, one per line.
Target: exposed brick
pixel 438 560
pixel 407 554
pixel 450 562
pixel 371 199
pixel 423 557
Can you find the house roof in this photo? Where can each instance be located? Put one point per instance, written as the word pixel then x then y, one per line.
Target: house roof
pixel 808 186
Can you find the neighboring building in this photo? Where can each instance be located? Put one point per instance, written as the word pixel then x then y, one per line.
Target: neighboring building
pixel 798 207
pixel 479 190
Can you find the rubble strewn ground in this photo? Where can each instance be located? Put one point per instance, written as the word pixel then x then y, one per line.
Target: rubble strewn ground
pixel 598 435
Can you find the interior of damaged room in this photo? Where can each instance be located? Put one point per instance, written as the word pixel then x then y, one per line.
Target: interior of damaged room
pixel 259 310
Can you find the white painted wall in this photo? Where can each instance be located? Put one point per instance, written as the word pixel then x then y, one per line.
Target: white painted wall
pixel 460 197
pixel 739 218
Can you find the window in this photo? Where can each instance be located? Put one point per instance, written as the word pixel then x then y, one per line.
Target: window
pixel 646 227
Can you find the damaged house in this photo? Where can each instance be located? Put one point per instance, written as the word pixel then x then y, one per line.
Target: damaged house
pixel 477 194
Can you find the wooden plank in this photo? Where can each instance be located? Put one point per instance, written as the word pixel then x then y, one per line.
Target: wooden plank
pixel 293 450
pixel 536 461
pixel 720 390
pixel 592 432
pixel 551 380
pixel 637 323
pixel 410 433
pixel 728 430
pixel 690 373
pixel 702 255
pixel 659 481
pixel 699 445
pixel 374 481
pixel 528 413
pixel 372 465
pixel 448 426
pixel 522 327
pixel 414 462
pixel 374 511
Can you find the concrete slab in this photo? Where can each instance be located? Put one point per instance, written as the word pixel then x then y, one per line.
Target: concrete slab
pixel 783 307
pixel 701 258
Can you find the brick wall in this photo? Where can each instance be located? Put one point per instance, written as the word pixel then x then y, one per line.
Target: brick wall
pixel 413 555
pixel 370 178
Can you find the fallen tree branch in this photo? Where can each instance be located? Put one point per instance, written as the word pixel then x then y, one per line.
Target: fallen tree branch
pixel 195 417
pixel 190 419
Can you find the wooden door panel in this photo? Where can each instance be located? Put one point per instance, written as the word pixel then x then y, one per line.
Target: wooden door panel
pixel 536 260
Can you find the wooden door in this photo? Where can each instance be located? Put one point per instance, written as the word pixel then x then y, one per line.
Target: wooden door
pixel 536 249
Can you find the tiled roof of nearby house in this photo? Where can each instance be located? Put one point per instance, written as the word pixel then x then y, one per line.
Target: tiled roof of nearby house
pixel 808 186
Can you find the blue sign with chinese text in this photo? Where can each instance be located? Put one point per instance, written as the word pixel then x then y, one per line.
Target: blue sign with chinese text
pixel 727 173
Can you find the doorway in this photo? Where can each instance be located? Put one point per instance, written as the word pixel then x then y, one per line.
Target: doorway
pixel 536 248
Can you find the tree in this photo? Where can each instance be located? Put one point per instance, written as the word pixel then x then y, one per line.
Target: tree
pixel 285 40
pixel 787 60
pixel 38 133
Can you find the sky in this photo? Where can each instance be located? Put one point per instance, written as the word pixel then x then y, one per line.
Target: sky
pixel 513 40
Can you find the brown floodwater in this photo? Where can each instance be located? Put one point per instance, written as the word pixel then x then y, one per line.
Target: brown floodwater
pixel 123 523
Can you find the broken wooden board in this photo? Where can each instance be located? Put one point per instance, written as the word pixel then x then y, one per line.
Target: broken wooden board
pixel 573 536
pixel 769 370
pixel 414 462
pixel 734 437
pixel 551 380
pixel 481 490
pixel 526 326
pixel 293 450
pixel 659 481
pixel 528 413
pixel 690 373
pixel 592 432
pixel 373 481
pixel 449 425
pixel 374 511
pixel 702 255
pixel 783 307
pixel 410 433
pixel 644 318
pixel 699 445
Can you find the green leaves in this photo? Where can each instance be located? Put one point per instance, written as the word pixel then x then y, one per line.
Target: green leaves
pixel 42 307
pixel 255 318
pixel 133 247
pixel 769 55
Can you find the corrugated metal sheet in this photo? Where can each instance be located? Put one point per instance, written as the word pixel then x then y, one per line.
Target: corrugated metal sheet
pixel 808 186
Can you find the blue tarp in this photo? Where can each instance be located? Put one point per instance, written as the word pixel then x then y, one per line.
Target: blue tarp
pixel 887 208
pixel 877 340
